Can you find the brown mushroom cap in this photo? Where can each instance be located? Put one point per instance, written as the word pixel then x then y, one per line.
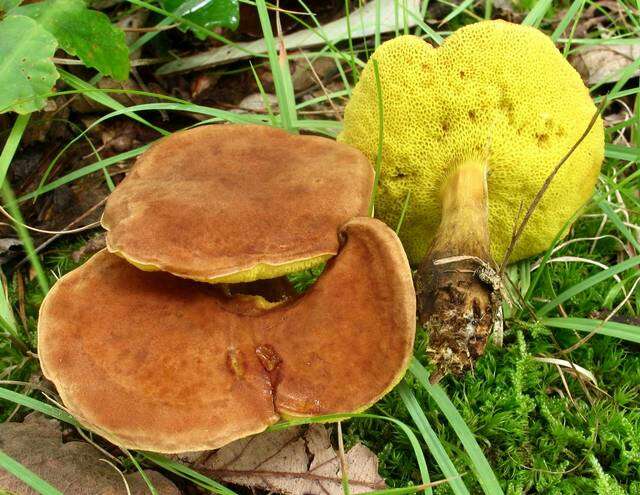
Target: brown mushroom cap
pixel 160 363
pixel 235 203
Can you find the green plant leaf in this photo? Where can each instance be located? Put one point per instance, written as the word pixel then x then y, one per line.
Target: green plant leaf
pixel 86 33
pixel 26 69
pixel 216 13
pixel 7 5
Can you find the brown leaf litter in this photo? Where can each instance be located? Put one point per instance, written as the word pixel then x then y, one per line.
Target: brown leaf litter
pixel 74 468
pixel 293 461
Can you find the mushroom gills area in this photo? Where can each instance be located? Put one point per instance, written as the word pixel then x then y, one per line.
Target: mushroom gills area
pixel 169 365
pixel 457 285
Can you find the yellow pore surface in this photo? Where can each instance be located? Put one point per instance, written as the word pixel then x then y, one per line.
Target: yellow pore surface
pixel 260 271
pixel 495 91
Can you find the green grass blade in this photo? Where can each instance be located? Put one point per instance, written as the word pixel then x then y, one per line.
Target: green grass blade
pixel 378 164
pixel 620 152
pixel 601 327
pixel 8 152
pixel 81 172
pixel 576 6
pixel 617 221
pixel 7 318
pixel 404 490
pixel 103 98
pixel 403 212
pixel 280 71
pixel 537 13
pixel 26 475
pixel 480 465
pixel 457 11
pixel 23 233
pixel 184 471
pixel 143 475
pixel 37 405
pixel 11 145
pixel 429 31
pixel 431 439
pixel 589 282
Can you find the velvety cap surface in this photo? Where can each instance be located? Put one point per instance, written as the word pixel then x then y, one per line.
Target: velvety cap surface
pixel 217 200
pixel 155 362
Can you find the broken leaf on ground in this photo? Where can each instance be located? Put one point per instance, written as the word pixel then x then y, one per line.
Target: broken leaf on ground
pixel 74 468
pixel 292 461
pixel 604 63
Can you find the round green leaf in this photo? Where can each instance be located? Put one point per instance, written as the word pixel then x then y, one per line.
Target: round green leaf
pixel 216 13
pixel 86 33
pixel 27 73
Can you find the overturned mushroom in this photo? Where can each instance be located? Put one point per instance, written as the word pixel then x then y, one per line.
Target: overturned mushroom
pixel 236 203
pixel 166 364
pixel 471 131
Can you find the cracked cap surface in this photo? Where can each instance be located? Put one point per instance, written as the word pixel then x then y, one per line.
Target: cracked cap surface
pixel 165 364
pixel 235 203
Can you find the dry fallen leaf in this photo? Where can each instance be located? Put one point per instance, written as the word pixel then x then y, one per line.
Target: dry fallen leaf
pixel 293 461
pixel 92 246
pixel 74 468
pixel 601 63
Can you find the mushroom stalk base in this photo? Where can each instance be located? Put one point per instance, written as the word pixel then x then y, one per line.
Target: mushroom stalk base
pixel 457 285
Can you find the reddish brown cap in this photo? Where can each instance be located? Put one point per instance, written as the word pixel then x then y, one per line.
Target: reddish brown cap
pixel 236 201
pixel 160 363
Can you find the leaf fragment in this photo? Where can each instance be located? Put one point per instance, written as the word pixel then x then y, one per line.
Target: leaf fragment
pixel 292 461
pixel 74 468
pixel 86 33
pixel 27 72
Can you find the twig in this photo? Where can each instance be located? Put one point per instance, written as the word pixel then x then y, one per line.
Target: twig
pixel 71 224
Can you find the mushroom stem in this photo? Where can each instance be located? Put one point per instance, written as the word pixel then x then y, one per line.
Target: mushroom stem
pixel 457 285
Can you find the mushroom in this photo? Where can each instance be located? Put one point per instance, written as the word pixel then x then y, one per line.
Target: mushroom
pixel 236 203
pixel 471 131
pixel 166 364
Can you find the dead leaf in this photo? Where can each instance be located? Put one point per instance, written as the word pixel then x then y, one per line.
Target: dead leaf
pixel 601 63
pixel 92 246
pixel 292 461
pixel 254 103
pixel 74 468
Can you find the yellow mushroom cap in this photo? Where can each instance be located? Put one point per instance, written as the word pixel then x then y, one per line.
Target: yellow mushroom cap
pixel 493 90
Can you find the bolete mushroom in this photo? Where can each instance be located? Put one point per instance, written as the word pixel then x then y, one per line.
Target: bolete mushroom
pixel 471 131
pixel 236 203
pixel 156 362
